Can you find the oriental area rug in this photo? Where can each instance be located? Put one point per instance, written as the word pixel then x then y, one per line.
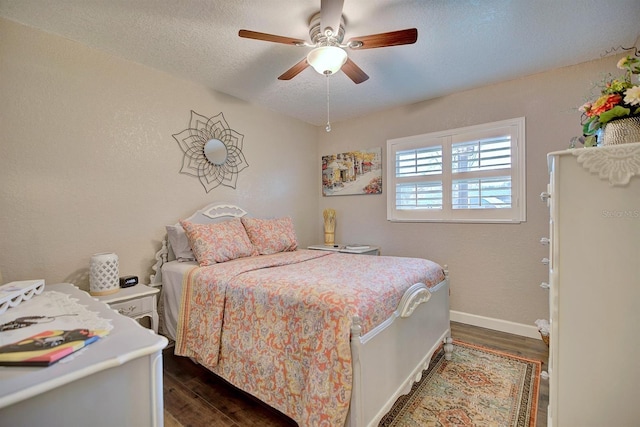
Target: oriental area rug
pixel 477 387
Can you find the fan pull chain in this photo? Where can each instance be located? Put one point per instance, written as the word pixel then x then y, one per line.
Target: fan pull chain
pixel 328 126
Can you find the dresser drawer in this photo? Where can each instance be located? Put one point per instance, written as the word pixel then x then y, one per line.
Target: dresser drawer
pixel 135 307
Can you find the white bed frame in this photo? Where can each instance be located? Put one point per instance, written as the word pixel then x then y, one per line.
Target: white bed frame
pixel 388 359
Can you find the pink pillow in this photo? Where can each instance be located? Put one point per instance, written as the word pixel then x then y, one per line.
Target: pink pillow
pixel 270 236
pixel 220 242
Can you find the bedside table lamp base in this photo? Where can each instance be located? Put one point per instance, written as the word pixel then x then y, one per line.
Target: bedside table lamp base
pixel 329 226
pixel 103 274
pixel 329 238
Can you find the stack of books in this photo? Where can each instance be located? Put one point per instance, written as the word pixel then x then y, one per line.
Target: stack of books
pixel 48 347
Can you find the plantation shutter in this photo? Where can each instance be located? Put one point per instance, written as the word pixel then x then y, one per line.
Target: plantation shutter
pixel 481 173
pixel 419 178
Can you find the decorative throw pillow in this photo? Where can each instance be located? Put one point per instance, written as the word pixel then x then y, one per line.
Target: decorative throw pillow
pixel 220 242
pixel 179 243
pixel 270 236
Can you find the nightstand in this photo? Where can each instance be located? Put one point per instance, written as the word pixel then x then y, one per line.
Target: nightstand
pixel 136 302
pixel 368 250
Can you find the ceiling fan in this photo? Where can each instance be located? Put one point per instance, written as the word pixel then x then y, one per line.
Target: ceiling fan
pixel 326 31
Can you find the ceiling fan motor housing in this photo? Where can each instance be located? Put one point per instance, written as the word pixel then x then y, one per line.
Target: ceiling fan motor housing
pixel 319 38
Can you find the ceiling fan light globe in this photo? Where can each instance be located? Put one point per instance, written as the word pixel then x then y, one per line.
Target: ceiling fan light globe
pixel 327 59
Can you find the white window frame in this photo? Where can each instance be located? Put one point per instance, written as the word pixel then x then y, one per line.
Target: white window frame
pixel 515 214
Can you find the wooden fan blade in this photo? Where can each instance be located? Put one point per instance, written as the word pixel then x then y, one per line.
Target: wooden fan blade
pixel 354 72
pixel 248 34
pixel 330 15
pixel 393 38
pixel 295 70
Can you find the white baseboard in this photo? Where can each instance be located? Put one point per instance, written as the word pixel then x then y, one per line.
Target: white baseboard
pixel 530 331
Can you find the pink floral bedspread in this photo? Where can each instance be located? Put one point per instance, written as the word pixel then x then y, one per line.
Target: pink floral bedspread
pixel 287 319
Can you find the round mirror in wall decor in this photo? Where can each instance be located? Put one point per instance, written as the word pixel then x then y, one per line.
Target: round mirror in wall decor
pixel 215 151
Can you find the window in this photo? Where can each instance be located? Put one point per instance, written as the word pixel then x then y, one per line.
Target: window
pixel 473 174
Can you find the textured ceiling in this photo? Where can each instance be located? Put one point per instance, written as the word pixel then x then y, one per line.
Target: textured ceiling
pixel 461 44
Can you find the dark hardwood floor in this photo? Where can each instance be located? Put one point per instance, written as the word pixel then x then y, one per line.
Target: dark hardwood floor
pixel 194 397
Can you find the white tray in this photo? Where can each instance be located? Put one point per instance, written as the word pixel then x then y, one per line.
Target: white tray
pixel 14 293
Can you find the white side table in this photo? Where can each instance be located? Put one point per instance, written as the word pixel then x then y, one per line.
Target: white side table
pixel 136 302
pixel 369 250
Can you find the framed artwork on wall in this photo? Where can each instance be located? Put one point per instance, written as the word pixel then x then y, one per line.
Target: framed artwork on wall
pixel 352 172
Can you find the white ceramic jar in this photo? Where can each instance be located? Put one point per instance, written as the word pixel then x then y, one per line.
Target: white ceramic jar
pixel 104 274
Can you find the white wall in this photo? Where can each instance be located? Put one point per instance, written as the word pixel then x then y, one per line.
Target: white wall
pixel 88 162
pixel 495 268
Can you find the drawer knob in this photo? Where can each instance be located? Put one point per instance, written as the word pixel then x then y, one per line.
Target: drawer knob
pixel 544 285
pixel 545 241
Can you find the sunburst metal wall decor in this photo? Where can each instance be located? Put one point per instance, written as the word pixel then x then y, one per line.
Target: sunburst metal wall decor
pixel 198 161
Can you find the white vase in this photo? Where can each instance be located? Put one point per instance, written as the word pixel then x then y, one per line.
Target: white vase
pixel 104 274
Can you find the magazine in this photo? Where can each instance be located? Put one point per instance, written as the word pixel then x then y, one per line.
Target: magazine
pixel 357 246
pixel 48 347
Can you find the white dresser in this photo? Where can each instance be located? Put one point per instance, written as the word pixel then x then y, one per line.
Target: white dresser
pixel 116 381
pixel 594 358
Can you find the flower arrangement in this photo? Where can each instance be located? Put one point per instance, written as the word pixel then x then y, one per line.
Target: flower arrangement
pixel 619 98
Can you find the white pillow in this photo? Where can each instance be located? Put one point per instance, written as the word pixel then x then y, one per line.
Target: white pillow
pixel 179 243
